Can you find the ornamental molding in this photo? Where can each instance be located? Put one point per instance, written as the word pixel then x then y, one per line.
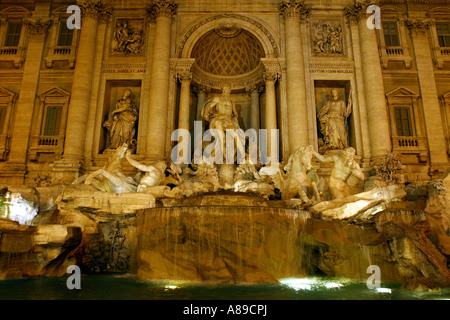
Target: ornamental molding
pixel 38 27
pixel 94 9
pixel 227 17
pixel 161 8
pixel 355 12
pixel 419 26
pixel 183 69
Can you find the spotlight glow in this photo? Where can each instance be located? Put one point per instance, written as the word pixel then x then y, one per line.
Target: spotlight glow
pixel 383 290
pixel 311 283
pixel 20 210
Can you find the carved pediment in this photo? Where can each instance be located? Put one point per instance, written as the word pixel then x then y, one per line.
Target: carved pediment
pixel 55 92
pixel 6 95
pixel 401 92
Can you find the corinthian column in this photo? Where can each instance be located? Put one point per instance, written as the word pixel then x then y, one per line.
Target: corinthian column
pixel 185 95
pixel 254 92
pixel 378 121
pixel 294 11
pixel 92 11
pixel 435 131
pixel 162 11
pixel 270 114
pixel 37 30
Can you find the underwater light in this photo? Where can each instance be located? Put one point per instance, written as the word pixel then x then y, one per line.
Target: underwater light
pixel 383 290
pixel 310 283
pixel 298 284
pixel 170 287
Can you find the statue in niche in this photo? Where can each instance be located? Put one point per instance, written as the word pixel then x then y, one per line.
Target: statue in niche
pixel 221 114
pixel 121 121
pixel 333 117
pixel 127 39
pixel 344 166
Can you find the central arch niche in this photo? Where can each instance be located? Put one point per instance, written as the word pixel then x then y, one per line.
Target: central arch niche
pixel 228 50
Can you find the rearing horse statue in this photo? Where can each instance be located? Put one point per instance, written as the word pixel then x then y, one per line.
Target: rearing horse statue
pixel 299 176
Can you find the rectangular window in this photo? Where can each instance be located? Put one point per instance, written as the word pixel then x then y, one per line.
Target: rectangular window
pixel 13 34
pixel 52 120
pixel 443 31
pixel 403 121
pixel 391 36
pixel 65 35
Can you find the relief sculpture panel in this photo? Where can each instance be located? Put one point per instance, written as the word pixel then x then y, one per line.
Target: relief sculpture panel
pixel 327 38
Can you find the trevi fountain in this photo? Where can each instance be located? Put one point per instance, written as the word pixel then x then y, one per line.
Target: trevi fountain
pixel 224 149
pixel 232 223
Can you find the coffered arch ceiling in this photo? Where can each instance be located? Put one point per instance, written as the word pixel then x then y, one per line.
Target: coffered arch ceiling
pixel 228 51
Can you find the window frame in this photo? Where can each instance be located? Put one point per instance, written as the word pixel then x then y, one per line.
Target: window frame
pixel 17 36
pixel 386 35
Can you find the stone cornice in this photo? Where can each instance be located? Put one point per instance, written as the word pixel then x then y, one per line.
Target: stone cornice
pixel 166 8
pixel 294 9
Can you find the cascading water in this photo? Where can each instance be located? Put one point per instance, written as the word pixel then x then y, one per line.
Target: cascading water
pixel 246 242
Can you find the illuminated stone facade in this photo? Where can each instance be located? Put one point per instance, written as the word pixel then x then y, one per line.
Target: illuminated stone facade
pixel 281 59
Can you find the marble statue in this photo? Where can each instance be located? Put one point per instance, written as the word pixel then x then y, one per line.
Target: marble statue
pixel 111 177
pixel 221 114
pixel 332 117
pixel 299 176
pixel 344 166
pixel 248 179
pixel 150 176
pixel 204 178
pixel 121 121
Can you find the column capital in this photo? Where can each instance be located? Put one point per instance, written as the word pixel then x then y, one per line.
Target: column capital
pixel 159 8
pixel 200 87
pixel 38 27
pixel 356 11
pixel 183 69
pixel 271 76
pixel 254 89
pixel 418 26
pixel 94 9
pixel 184 76
pixel 294 9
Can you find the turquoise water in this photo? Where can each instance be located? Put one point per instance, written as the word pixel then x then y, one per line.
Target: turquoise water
pixel 104 287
